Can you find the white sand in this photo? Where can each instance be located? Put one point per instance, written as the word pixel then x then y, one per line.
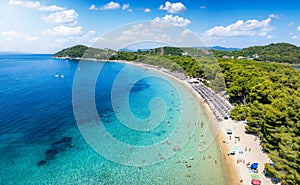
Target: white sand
pixel 246 140
pixel 236 172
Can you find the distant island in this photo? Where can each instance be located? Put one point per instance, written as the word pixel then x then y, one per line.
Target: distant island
pixel 264 92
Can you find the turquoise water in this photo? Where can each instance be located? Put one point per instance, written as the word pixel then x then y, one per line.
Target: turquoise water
pixel 41 143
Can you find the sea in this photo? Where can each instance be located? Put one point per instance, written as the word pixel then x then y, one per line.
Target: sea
pixel 88 122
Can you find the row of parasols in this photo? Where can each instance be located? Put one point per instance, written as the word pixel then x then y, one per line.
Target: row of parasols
pixel 220 106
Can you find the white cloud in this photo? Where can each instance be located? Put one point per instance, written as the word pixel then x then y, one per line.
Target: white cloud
pixel 290 24
pixel 241 28
pixel 140 31
pixel 63 30
pixel 111 6
pixel 11 40
pixel 90 33
pixel 274 16
pixel 51 8
pixel 294 37
pixel 148 33
pixel 36 5
pixel 175 20
pixel 66 16
pixel 298 28
pixel 27 4
pixel 62 40
pixel 13 35
pixel 93 7
pixel 173 7
pixel 270 37
pixel 203 7
pixel 93 40
pixel 125 6
pixel 186 32
pixel 147 10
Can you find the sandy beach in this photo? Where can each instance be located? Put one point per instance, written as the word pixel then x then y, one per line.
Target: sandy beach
pixel 247 151
pixel 233 174
pixel 247 147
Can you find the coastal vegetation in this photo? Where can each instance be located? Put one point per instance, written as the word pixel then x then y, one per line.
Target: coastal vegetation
pixel 81 51
pixel 266 94
pixel 280 52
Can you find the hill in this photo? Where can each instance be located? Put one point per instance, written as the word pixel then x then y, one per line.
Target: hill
pixel 280 52
pixel 81 51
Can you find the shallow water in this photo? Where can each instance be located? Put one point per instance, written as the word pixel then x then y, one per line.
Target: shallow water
pixel 41 143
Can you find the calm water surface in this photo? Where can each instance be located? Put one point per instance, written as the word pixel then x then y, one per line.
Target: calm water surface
pixel 40 142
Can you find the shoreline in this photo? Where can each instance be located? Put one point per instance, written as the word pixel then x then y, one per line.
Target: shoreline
pixel 232 174
pixel 235 172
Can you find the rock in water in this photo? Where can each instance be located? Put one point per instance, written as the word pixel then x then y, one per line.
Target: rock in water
pixel 50 154
pixel 140 86
pixel 56 147
pixel 62 144
pixel 42 162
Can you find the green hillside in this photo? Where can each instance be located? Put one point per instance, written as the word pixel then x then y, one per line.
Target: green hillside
pixel 81 51
pixel 72 52
pixel 280 52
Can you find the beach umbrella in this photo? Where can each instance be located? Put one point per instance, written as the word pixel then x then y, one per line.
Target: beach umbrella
pixel 255 182
pixel 229 131
pixel 254 166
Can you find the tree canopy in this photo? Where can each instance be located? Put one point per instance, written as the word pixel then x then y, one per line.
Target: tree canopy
pixel 280 52
pixel 267 95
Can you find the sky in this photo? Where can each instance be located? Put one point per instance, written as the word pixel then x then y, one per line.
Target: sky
pixel 47 26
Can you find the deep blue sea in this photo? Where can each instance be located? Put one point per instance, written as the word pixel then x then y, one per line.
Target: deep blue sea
pixel 135 126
